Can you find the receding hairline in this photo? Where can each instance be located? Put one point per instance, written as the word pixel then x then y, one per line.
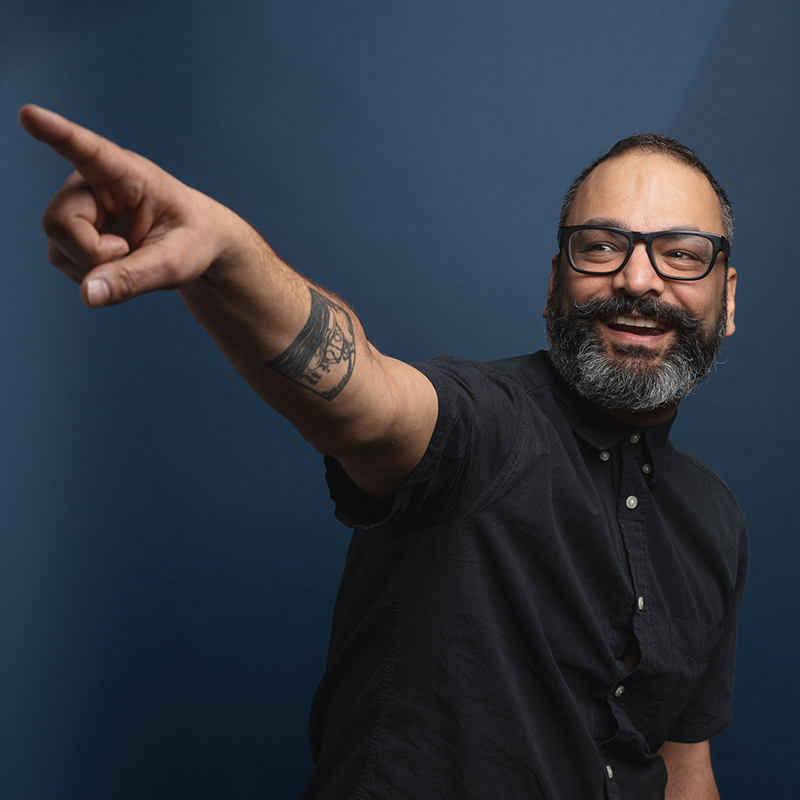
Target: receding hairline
pixel 586 185
pixel 654 144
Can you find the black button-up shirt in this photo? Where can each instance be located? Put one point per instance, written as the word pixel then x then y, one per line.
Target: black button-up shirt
pixel 551 597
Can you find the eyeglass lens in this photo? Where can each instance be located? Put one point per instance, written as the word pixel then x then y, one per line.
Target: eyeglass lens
pixel 675 254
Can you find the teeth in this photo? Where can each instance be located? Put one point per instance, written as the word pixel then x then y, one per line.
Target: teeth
pixel 635 322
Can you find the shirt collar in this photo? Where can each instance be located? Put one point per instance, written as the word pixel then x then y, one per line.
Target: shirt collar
pixel 602 431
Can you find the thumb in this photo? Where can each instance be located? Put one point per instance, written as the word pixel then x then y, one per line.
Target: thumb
pixel 144 270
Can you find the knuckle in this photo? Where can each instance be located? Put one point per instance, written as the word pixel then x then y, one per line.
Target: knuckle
pixel 128 280
pixel 56 225
pixel 55 218
pixel 74 180
pixel 64 264
pixel 171 271
pixel 56 256
pixel 52 223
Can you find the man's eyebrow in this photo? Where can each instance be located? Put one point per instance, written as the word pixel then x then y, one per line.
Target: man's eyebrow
pixel 611 222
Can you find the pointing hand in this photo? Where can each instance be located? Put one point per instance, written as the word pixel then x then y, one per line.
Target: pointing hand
pixel 121 226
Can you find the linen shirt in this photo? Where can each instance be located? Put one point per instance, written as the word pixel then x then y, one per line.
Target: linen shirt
pixel 551 596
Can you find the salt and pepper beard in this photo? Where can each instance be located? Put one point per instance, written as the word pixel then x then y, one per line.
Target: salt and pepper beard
pixel 637 379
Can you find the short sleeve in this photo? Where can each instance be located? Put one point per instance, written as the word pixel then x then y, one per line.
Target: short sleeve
pixel 472 447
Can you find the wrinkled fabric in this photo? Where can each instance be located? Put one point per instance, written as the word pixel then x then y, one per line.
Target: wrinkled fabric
pixel 551 596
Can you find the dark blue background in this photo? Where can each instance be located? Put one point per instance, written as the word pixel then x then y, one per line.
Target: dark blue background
pixel 168 557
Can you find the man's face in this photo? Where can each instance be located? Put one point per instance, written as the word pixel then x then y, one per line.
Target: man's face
pixel 640 368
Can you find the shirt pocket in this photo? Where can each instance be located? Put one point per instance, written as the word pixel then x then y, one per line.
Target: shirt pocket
pixel 692 645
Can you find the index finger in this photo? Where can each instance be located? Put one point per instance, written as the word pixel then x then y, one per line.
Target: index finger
pixel 94 157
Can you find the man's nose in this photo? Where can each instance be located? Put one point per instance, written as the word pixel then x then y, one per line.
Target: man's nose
pixel 638 278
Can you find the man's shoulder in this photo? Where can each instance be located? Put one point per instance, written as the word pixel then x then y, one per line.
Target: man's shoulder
pixel 694 463
pixel 509 394
pixel 697 473
pixel 529 371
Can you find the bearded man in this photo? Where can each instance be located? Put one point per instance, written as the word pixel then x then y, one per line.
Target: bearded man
pixel 541 592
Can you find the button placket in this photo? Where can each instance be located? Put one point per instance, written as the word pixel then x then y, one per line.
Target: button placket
pixel 634 501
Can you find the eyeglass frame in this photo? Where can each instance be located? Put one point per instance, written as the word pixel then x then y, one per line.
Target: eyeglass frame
pixel 718 242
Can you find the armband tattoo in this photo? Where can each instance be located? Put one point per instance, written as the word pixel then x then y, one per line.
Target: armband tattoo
pixel 323 355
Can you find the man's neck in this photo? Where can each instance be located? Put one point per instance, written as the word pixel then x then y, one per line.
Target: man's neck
pixel 641 419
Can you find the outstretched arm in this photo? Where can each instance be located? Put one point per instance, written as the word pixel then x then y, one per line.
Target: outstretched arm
pixel 689 772
pixel 121 226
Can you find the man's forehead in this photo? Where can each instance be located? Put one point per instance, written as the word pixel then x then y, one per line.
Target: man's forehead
pixel 647 191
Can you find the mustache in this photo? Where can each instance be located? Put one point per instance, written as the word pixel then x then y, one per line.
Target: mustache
pixel 642 306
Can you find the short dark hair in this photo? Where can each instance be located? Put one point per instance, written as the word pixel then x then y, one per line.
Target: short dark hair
pixel 654 143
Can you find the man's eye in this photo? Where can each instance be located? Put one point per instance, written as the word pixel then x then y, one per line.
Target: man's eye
pixel 682 255
pixel 601 247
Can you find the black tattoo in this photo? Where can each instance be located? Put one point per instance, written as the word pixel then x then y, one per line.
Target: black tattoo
pixel 322 357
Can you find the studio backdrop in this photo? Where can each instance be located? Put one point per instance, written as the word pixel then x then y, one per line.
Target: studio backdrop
pixel 168 555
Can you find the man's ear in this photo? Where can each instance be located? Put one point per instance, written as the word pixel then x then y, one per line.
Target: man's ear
pixel 730 289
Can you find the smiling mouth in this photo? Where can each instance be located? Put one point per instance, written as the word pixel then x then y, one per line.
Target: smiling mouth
pixel 636 325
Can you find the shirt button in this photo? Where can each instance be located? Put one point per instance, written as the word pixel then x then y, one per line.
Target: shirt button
pixel 604 455
pixel 620 691
pixel 609 771
pixel 635 437
pixel 632 502
pixel 640 603
pixel 647 469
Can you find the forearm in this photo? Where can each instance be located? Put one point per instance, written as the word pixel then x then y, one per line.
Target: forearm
pixel 303 350
pixel 691 786
pixel 689 772
pixel 296 344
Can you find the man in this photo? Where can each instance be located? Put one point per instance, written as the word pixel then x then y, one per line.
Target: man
pixel 541 592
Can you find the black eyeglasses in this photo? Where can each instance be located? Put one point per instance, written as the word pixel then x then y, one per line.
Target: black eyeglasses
pixel 675 255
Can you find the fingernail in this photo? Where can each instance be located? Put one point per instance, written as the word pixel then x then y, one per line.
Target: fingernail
pixel 98 292
pixel 122 250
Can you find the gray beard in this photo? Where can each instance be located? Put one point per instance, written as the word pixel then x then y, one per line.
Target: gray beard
pixel 636 380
